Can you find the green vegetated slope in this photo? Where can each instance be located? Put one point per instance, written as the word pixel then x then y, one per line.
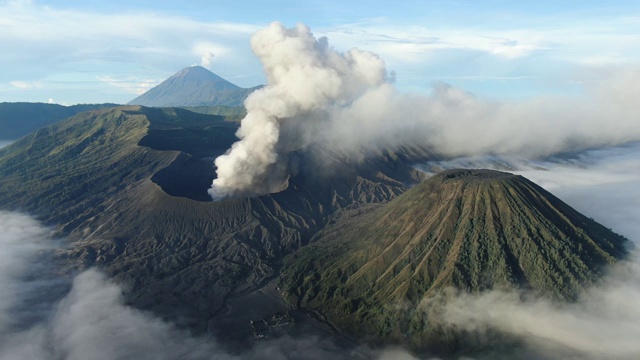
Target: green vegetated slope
pixel 20 119
pixel 128 186
pixel 372 273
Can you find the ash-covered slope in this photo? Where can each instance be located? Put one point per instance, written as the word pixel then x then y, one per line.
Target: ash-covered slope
pixel 193 86
pixel 128 186
pixel 473 230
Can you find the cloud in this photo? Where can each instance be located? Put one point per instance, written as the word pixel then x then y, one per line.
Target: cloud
pixel 93 322
pixel 130 85
pixel 453 122
pixel 604 323
pixel 416 43
pixel 21 239
pixel 50 43
pixel 24 85
pixel 548 53
pixel 568 38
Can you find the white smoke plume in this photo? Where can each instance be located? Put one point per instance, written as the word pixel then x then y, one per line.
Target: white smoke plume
pixel 452 122
pixel 206 59
pixel 305 79
pixel 345 102
pixel 207 51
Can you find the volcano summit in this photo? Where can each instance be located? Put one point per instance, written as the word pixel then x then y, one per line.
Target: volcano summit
pixel 193 86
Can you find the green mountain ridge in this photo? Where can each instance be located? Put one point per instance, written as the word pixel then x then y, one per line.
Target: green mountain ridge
pixel 472 230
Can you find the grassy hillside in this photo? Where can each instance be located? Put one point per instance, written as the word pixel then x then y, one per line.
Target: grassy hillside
pixel 373 274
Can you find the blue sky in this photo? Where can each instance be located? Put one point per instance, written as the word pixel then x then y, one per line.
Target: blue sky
pixel 110 51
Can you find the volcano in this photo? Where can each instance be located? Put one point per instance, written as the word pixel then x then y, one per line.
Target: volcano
pixel 191 87
pixel 466 230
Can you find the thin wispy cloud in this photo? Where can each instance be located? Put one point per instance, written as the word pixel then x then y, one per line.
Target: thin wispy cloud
pixel 133 86
pixel 26 84
pixel 550 54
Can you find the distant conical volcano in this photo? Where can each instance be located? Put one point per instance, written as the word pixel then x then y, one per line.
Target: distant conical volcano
pixel 193 86
pixel 471 230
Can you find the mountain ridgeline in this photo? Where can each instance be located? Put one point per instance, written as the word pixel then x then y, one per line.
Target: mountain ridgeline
pixel 21 118
pixel 194 86
pixel 471 230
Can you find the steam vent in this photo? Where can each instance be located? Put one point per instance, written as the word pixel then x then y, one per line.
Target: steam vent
pixel 470 230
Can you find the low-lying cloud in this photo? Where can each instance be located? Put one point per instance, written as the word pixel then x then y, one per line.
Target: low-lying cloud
pixel 90 321
pixel 603 324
